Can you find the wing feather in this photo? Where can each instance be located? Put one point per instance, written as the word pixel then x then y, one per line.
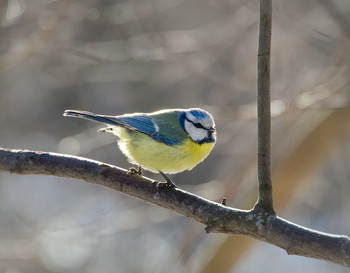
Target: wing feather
pixel 137 122
pixel 146 125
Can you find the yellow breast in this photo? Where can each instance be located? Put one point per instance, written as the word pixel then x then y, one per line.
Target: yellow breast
pixel 156 156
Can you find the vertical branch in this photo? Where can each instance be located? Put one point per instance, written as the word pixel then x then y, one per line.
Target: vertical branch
pixel 264 112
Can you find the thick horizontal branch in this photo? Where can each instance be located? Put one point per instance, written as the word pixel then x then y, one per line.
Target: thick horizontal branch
pixel 258 224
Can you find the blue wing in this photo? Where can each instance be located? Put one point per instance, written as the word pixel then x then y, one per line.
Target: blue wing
pixel 145 125
pixel 140 123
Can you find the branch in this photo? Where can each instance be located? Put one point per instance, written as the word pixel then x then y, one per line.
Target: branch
pixel 263 226
pixel 264 113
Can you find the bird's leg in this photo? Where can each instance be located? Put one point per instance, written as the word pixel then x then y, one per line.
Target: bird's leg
pixel 133 170
pixel 168 182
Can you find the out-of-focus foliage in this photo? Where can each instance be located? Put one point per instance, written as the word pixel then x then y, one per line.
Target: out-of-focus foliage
pixel 115 57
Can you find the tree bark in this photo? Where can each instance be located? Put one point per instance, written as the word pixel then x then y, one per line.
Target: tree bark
pixel 258 224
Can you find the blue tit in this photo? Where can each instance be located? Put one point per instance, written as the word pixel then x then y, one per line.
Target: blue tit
pixel 165 141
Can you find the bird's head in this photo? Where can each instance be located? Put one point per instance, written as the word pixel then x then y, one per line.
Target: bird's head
pixel 199 125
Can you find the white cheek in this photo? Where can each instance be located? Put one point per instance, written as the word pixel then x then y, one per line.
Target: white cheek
pixel 196 134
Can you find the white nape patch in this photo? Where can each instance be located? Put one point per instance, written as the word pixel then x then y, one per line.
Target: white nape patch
pixel 196 134
pixel 155 125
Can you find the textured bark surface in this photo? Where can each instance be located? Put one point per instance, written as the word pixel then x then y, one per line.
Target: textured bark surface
pixel 256 223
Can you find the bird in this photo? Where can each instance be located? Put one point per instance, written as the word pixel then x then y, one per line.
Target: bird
pixel 164 141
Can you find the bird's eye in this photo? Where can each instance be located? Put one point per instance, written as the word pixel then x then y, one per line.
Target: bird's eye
pixel 198 125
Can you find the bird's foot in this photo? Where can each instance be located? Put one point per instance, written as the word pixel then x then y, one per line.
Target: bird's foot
pixel 168 183
pixel 133 170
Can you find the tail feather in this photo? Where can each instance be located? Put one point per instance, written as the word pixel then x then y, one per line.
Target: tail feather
pixel 92 116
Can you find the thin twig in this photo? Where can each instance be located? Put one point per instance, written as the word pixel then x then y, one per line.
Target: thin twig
pixel 264 112
pixel 260 225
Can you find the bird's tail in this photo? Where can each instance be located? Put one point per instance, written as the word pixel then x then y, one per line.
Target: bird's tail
pixel 91 116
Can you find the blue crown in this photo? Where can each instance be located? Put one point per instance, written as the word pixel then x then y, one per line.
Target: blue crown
pixel 199 114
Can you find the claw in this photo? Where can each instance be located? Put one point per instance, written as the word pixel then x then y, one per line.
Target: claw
pixel 133 170
pixel 168 183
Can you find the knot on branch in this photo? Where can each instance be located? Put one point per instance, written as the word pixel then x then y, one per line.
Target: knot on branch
pixel 260 220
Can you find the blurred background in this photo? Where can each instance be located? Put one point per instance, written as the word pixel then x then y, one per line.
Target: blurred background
pixel 115 57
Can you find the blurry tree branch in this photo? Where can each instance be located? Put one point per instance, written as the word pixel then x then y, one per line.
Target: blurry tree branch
pixel 337 15
pixel 41 37
pixel 260 223
pixel 255 223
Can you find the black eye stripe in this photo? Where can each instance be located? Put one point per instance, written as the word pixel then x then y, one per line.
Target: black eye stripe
pixel 197 125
